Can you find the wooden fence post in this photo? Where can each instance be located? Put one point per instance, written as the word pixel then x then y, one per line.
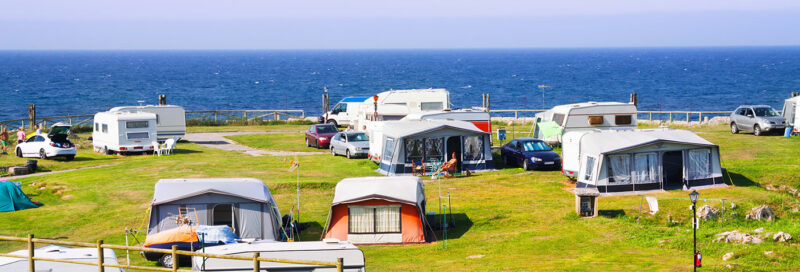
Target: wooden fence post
pixel 340 264
pixel 100 257
pixel 32 115
pixel 31 262
pixel 687 117
pixel 256 263
pixel 670 117
pixel 175 258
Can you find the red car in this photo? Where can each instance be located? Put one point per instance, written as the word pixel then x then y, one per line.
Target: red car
pixel 319 135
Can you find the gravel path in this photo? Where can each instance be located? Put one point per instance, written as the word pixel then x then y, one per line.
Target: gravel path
pixel 217 140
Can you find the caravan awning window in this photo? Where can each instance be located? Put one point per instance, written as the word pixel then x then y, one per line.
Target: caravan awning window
pixel 388 150
pixel 699 163
pixel 589 168
pixel 619 168
pixel 473 148
pixel 414 150
pixel 558 118
pixel 434 149
pixel 645 168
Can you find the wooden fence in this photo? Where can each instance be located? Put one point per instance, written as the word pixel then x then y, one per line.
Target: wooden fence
pixel 256 259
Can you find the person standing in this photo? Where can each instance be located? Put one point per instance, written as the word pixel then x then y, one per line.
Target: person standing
pixel 4 140
pixel 38 129
pixel 20 135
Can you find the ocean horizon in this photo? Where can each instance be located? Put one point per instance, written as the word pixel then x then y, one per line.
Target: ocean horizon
pixel 665 78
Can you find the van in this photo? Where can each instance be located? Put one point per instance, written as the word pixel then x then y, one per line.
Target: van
pixel 344 111
pixel 586 116
pixel 170 119
pixel 124 132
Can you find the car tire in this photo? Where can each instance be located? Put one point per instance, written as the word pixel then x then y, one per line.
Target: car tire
pixel 166 260
pixel 70 157
pixel 757 130
pixel 42 154
pixel 347 153
pixel 505 161
pixel 734 128
pixel 333 122
pixel 106 151
pixel 18 152
pixel 525 165
pixel 333 152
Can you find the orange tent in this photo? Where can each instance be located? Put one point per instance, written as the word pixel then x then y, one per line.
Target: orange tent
pixel 378 210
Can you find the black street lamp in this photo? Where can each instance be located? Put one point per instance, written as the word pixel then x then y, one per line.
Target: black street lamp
pixel 693 197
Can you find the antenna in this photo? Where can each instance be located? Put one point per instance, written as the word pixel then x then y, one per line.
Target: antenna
pixel 543 86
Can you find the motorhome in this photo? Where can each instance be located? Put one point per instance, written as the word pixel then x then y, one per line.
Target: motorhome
pixel 124 132
pixel 791 111
pixel 584 116
pixel 345 111
pixel 170 119
pixel 396 104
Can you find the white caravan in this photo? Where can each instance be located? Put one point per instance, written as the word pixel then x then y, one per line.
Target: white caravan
pixel 396 104
pixel 588 116
pixel 791 111
pixel 122 131
pixel 327 250
pixel 170 119
pixel 345 111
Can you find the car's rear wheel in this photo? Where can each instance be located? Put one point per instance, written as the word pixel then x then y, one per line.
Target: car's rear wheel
pixel 347 153
pixel 757 130
pixel 734 128
pixel 18 152
pixel 42 154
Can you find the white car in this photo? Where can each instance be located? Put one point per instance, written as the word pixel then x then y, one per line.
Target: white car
pixel 54 144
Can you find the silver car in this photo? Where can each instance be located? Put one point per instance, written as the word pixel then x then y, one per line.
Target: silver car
pixel 350 144
pixel 756 118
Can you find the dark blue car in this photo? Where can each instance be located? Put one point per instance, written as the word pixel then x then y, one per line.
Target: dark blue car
pixel 530 153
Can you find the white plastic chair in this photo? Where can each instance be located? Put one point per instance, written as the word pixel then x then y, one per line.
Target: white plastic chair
pixel 157 150
pixel 169 145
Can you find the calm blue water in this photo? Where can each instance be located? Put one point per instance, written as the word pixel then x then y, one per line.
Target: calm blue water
pixel 671 79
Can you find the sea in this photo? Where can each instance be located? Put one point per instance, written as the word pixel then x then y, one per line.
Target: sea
pixel 86 82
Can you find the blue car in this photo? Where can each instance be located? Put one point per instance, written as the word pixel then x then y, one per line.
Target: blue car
pixel 530 153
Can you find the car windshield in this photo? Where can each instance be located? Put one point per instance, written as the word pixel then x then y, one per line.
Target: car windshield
pixel 357 137
pixel 535 146
pixel 765 112
pixel 327 129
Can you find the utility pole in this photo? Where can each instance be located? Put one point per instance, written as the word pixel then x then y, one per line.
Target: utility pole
pixel 542 86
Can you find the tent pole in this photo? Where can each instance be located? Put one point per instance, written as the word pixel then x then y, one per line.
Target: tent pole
pixel 127 252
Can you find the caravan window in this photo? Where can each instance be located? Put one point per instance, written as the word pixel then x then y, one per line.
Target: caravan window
pixel 96 126
pixel 388 150
pixel 434 149
pixel 105 128
pixel 374 219
pixel 473 148
pixel 558 118
pixel 431 106
pixel 645 168
pixel 414 150
pixel 589 168
pixel 623 119
pixel 596 120
pixel 136 124
pixel 138 135
pixel 619 168
pixel 699 163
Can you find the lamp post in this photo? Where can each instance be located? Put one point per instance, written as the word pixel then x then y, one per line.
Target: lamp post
pixel 693 197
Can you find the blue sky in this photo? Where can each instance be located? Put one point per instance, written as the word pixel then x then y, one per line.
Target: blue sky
pixel 352 24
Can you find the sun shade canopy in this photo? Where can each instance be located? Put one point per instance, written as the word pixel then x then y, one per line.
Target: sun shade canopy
pixel 168 190
pixel 409 190
pixel 414 127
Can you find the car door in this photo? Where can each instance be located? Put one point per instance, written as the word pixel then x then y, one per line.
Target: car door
pixel 309 135
pixel 748 120
pixel 32 145
pixel 337 142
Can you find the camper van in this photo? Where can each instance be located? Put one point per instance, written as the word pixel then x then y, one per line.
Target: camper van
pixel 396 104
pixel 791 111
pixel 124 132
pixel 170 119
pixel 345 111
pixel 584 116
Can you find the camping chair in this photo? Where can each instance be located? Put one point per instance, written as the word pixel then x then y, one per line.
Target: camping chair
pixel 169 145
pixel 157 149
pixel 417 169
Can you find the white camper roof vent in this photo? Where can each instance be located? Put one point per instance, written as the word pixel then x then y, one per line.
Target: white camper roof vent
pixel 330 240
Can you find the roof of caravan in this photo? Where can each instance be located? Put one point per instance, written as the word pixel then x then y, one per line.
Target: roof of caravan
pixel 465 115
pixel 168 190
pixel 354 99
pixel 127 115
pixel 126 108
pixel 61 253
pixel 608 141
pixel 409 190
pixel 404 128
pixel 591 104
pixel 796 98
pixel 415 90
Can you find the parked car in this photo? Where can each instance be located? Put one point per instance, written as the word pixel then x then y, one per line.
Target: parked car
pixel 350 144
pixel 759 119
pixel 54 144
pixel 530 153
pixel 319 135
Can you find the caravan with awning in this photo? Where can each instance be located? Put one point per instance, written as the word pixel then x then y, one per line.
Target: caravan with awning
pixel 584 116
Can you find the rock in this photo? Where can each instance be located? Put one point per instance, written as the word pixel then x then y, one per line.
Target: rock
pixel 732 265
pixel 65 197
pixel 707 213
pixel 727 256
pixel 758 230
pixel 737 237
pixel 781 237
pixel 59 192
pixel 769 253
pixel 762 212
pixel 733 206
pixel 475 256
pixel 18 170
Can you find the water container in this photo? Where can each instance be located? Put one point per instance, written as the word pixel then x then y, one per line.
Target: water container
pixel 788 132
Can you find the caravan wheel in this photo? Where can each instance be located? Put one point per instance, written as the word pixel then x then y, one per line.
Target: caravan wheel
pixel 166 260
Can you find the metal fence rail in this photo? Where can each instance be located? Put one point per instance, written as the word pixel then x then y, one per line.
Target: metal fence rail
pixel 256 259
pixel 689 116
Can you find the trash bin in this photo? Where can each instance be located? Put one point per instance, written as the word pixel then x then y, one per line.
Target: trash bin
pixel 788 132
pixel 32 166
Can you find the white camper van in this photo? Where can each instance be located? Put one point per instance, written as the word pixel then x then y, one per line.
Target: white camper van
pixel 791 111
pixel 123 131
pixel 587 116
pixel 396 104
pixel 345 111
pixel 170 119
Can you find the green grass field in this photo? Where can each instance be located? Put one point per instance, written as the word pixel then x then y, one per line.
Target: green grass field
pixel 505 220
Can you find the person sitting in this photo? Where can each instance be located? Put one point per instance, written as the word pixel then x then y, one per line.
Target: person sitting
pixel 449 167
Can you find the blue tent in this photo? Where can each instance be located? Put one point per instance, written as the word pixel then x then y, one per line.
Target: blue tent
pixel 13 199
